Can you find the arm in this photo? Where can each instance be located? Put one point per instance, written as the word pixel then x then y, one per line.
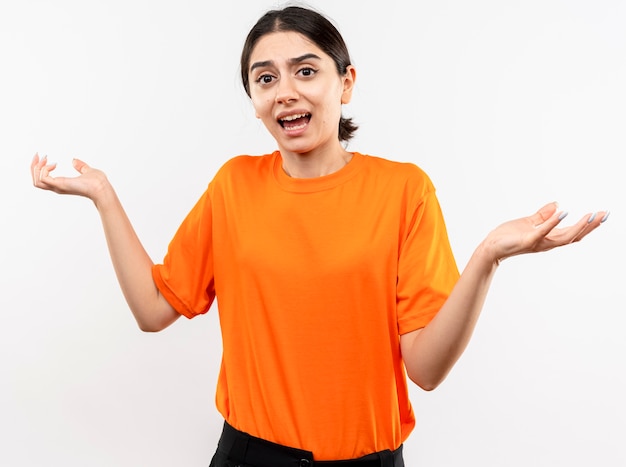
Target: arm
pixel 132 264
pixel 431 352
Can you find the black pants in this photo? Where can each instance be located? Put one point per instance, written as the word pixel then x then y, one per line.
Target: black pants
pixel 239 449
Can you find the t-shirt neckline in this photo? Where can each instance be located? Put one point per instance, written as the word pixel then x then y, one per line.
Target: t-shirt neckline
pixel 311 185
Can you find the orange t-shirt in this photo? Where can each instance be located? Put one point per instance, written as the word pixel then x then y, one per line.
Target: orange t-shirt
pixel 315 280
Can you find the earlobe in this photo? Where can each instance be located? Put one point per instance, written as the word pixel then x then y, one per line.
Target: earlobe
pixel 348 84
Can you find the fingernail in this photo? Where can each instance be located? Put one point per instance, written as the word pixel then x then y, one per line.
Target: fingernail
pixel 591 218
pixel 606 216
pixel 563 215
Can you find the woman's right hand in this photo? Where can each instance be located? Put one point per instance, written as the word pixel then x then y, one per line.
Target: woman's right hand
pixel 132 264
pixel 90 183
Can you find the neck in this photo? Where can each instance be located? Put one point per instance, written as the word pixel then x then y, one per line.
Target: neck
pixel 314 164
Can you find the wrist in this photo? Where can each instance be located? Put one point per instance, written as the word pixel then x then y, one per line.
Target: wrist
pixel 486 254
pixel 104 195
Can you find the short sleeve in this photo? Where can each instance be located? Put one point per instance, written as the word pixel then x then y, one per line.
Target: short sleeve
pixel 186 276
pixel 427 270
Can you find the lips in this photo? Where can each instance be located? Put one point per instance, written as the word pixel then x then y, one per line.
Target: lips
pixel 294 121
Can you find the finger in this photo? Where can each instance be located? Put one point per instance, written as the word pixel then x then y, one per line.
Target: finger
pixel 547 225
pixel 44 174
pixel 33 166
pixel 35 160
pixel 37 165
pixel 545 213
pixel 574 232
pixel 80 166
pixel 598 218
pixel 594 221
pixel 44 169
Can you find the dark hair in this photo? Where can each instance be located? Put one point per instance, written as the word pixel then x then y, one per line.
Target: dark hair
pixel 313 26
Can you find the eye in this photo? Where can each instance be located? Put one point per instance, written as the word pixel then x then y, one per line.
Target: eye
pixel 307 71
pixel 265 78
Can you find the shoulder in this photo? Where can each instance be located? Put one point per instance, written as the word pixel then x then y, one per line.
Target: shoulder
pixel 408 174
pixel 243 168
pixel 246 163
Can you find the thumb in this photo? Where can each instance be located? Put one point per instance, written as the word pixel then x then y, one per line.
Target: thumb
pixel 545 213
pixel 79 165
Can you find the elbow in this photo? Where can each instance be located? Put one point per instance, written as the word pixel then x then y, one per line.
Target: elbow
pixel 426 372
pixel 154 319
pixel 429 386
pixel 427 383
pixel 153 323
pixel 149 327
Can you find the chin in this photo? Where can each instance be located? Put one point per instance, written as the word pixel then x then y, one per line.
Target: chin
pixel 297 148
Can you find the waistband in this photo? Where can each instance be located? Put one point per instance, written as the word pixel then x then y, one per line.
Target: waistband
pixel 243 448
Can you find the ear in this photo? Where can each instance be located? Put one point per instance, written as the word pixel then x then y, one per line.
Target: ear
pixel 348 84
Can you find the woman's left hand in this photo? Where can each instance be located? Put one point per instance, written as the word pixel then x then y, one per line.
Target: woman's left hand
pixel 539 232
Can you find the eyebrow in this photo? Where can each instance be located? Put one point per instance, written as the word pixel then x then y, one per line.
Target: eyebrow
pixel 292 61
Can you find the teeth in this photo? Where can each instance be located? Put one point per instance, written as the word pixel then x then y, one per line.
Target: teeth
pixel 293 117
pixel 299 127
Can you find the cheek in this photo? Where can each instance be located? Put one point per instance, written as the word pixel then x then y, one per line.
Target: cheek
pixel 332 107
pixel 261 107
pixel 331 99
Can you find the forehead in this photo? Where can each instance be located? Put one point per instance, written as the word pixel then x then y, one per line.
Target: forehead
pixel 283 45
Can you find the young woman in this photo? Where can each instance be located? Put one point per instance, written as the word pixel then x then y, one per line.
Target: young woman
pixel 333 270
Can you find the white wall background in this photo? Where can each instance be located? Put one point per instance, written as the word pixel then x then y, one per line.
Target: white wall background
pixel 506 104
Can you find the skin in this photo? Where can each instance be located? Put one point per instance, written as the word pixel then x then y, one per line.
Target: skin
pixel 290 75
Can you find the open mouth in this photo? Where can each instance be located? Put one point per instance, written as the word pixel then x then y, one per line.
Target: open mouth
pixel 295 122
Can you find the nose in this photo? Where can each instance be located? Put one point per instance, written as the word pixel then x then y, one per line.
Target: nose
pixel 286 91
